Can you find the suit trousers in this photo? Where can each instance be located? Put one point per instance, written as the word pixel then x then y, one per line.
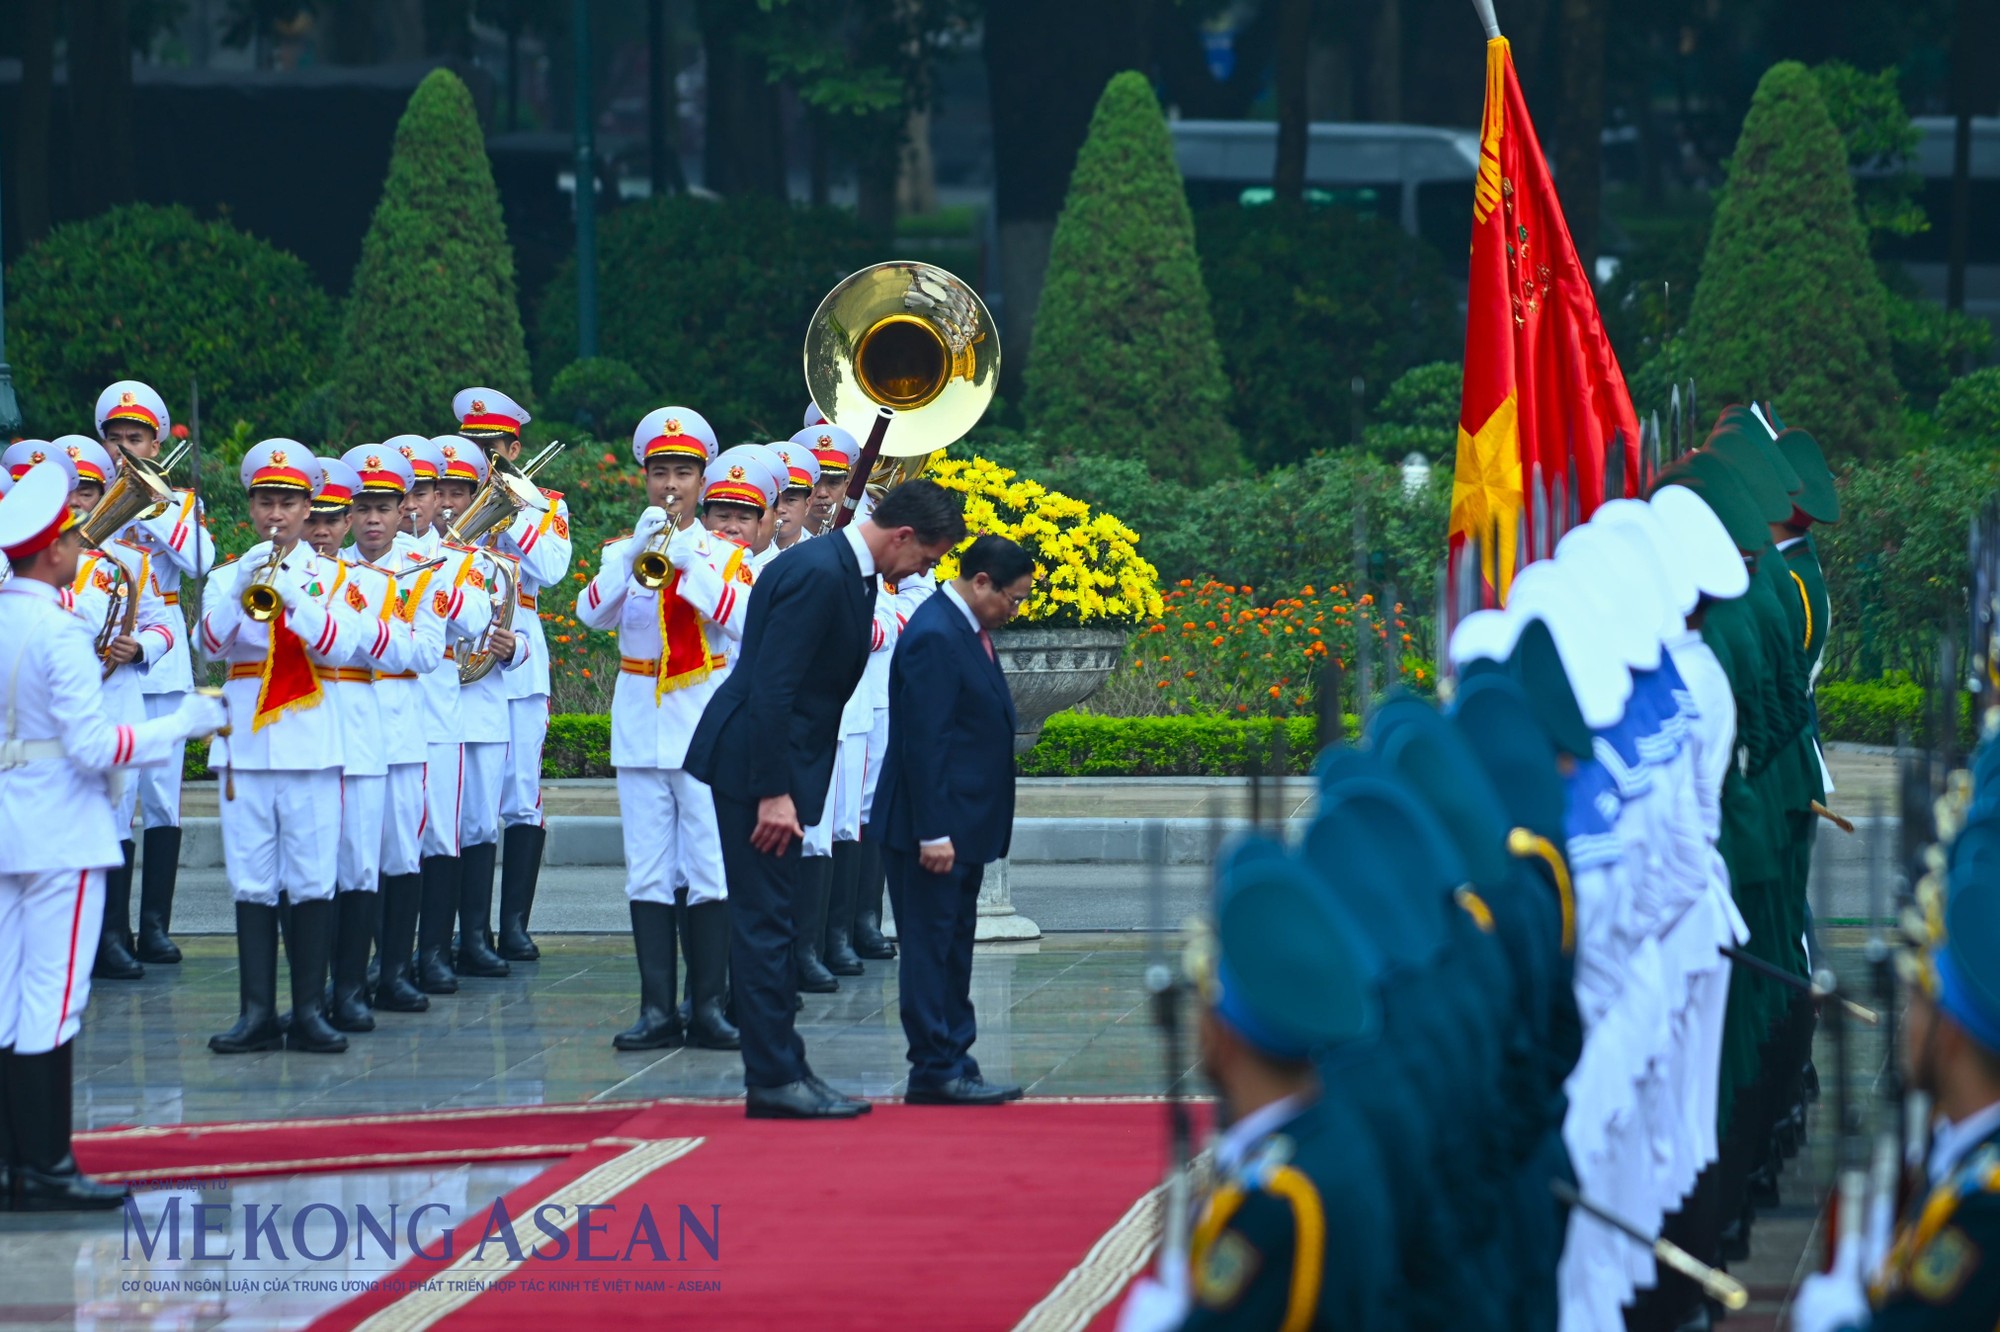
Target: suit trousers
pixel 761 889
pixel 49 924
pixel 936 916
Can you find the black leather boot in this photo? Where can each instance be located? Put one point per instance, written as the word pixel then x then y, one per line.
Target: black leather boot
pixel 475 914
pixel 351 944
pixel 837 949
pixel 156 895
pixel 308 943
pixel 707 942
pixel 38 1089
pixel 114 941
pixel 685 1010
pixel 809 925
pixel 440 906
pixel 520 868
pixel 658 1027
pixel 869 941
pixel 9 1152
pixel 402 898
pixel 256 1027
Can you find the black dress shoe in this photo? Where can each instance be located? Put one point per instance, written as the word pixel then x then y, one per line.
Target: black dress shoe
pixel 1009 1091
pixel 64 1188
pixel 958 1091
pixel 827 1089
pixel 796 1100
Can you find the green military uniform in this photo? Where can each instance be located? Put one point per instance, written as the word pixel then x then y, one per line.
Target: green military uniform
pixel 1943 1272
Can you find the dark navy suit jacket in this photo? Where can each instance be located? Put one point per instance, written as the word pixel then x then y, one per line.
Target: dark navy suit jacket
pixel 950 766
pixel 771 727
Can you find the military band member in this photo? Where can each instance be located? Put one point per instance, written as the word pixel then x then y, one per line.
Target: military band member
pixel 133 418
pixel 54 759
pixel 540 542
pixel 388 478
pixel 382 644
pixel 801 475
pixel 673 644
pixel 458 593
pixel 484 721
pixel 266 616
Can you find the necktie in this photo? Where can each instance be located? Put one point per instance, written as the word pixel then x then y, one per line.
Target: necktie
pixel 986 641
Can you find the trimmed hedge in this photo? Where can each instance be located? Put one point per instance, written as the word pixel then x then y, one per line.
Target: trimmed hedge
pixel 1077 744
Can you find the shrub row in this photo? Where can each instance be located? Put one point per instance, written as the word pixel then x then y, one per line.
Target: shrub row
pixel 1076 744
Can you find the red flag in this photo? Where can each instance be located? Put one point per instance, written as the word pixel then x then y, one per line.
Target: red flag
pixel 1542 385
pixel 289 684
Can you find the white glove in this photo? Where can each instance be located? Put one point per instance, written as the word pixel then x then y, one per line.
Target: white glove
pixel 1152 1307
pixel 687 548
pixel 254 557
pixel 651 523
pixel 198 715
pixel 1829 1302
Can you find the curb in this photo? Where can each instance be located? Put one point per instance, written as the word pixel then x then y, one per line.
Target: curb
pixel 597 840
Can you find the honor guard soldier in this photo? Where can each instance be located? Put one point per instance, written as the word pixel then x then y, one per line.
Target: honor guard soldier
pixel 835 450
pixel 675 625
pixel 267 616
pixel 484 724
pixel 801 475
pixel 113 596
pixel 540 543
pixel 61 835
pixel 1291 1235
pixel 132 418
pixel 458 593
pixel 764 545
pixel 382 645
pixel 399 486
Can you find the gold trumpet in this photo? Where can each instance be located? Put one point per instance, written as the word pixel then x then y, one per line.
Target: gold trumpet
pixel 652 569
pixel 261 601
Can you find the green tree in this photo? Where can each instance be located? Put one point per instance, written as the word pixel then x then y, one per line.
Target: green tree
pixel 1308 300
pixel 157 294
pixel 433 307
pixel 1873 123
pixel 710 304
pixel 1789 306
pixel 1125 354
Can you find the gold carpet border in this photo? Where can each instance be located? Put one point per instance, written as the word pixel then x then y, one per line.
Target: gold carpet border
pixel 143 1131
pixel 422 1309
pixel 371 1161
pixel 1120 1254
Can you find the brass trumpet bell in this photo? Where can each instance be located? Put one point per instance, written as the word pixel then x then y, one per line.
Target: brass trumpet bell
pixel 506 493
pixel 137 489
pixel 908 336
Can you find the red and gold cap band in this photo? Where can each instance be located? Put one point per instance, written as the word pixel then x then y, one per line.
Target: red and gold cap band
pixel 492 422
pixel 677 446
pixel 43 539
pixel 333 495
pixel 732 491
pixel 286 478
pixel 133 411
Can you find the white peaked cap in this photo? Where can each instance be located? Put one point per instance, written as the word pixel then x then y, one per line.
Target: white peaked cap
pixel 1597 675
pixel 1625 605
pixel 1644 567
pixel 1639 515
pixel 1700 542
pixel 1485 635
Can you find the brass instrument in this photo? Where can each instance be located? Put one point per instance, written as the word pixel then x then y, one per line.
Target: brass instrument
pixel 651 569
pixel 138 490
pixel 911 337
pixel 121 615
pixel 501 589
pixel 261 601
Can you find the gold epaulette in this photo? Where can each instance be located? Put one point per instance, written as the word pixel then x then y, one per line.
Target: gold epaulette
pixel 552 494
pixel 364 564
pixel 465 550
pixel 622 536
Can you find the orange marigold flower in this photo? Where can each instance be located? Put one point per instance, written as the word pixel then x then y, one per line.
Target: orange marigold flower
pixel 1216 641
pixel 1408 639
pixel 1367 598
pixel 1187 675
pixel 1187 625
pixel 1187 582
pixel 1243 707
pixel 1163 684
pixel 1307 591
pixel 586 672
pixel 1274 691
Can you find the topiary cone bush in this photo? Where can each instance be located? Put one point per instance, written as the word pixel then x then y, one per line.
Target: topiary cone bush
pixel 157 294
pixel 434 307
pixel 1789 306
pixel 1125 358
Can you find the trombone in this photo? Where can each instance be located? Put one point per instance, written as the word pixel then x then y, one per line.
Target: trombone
pixel 260 598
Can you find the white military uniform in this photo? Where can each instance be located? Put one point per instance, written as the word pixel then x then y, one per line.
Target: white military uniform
pixel 382 645
pixel 485 720
pixel 58 745
pixel 102 578
pixel 398 692
pixel 282 832
pixel 178 547
pixel 668 817
pixel 465 613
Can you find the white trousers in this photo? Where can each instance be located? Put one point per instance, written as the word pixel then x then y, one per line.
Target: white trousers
pixel 479 805
pixel 282 834
pixel 521 784
pixel 444 784
pixel 160 785
pixel 850 774
pixel 871 766
pixel 670 836
pixel 48 939
pixel 361 804
pixel 402 819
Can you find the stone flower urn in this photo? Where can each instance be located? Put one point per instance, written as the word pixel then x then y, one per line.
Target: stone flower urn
pixel 1048 669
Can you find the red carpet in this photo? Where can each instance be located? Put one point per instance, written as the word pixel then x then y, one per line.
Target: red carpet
pixel 358 1142
pixel 912 1217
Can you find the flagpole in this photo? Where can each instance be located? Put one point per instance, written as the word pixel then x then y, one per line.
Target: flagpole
pixel 1485 8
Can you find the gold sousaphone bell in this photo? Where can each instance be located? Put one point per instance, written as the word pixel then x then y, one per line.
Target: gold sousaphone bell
pixel 912 337
pixel 138 490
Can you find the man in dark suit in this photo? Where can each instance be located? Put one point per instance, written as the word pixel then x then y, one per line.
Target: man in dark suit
pixel 945 808
pixel 765 747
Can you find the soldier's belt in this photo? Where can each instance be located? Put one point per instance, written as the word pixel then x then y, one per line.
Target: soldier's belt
pixel 254 670
pixel 527 601
pixel 650 666
pixel 449 655
pixel 14 753
pixel 171 598
pixel 395 675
